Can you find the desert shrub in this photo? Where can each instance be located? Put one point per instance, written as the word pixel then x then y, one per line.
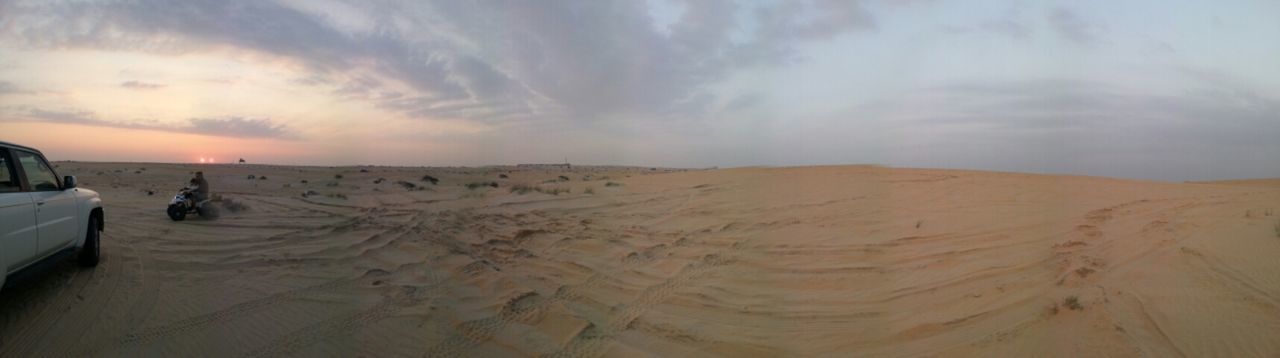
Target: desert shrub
pixel 137 172
pixel 337 176
pixel 430 179
pixel 1277 228
pixel 337 196
pixel 563 178
pixel 309 193
pixel 554 191
pixel 331 184
pixel 481 184
pixel 364 170
pixel 234 206
pixel 1073 303
pixel 522 189
pixel 407 185
pixel 304 181
pixel 264 177
pixel 589 190
pixel 613 183
pixel 251 177
pixel 502 176
pixel 379 180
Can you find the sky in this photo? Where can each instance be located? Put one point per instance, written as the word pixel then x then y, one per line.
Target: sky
pixel 1165 90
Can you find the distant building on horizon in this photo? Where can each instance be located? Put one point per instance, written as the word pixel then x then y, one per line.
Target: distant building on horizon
pixel 564 166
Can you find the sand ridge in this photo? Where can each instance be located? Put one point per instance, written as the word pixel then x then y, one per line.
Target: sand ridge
pixel 808 261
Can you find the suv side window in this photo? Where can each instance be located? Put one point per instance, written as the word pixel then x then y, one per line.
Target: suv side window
pixel 8 179
pixel 39 175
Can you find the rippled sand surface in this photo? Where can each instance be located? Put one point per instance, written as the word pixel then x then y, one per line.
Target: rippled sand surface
pixel 809 261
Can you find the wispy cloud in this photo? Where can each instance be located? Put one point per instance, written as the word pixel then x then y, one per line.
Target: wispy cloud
pixel 230 126
pixel 1074 27
pixel 136 85
pixel 501 60
pixel 7 87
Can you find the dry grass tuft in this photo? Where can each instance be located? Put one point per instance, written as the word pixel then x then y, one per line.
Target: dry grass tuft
pixel 481 184
pixel 522 189
pixel 1073 303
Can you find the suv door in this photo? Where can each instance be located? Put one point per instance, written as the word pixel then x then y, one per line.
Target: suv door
pixel 56 224
pixel 17 218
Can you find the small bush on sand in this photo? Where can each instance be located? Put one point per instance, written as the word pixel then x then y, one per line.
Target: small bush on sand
pixel 430 179
pixel 481 184
pixel 522 189
pixel 502 176
pixel 589 190
pixel 525 189
pixel 563 178
pixel 337 176
pixel 264 177
pixel 1073 303
pixel 252 177
pixel 1277 228
pixel 309 193
pixel 407 185
pixel 612 183
pixel 555 191
pixel 338 196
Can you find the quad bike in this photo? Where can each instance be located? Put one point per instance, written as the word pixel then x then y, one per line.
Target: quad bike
pixel 184 203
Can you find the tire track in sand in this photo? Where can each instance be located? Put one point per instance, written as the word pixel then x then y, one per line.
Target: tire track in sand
pixel 302 338
pixel 151 334
pixel 27 338
pixel 593 340
pixel 76 321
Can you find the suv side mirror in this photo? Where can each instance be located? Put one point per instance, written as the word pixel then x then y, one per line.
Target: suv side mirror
pixel 69 181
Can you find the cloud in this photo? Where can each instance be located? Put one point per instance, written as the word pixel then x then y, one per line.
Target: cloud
pixel 1071 26
pixel 1003 26
pixel 1086 127
pixel 480 60
pixel 236 127
pixel 231 126
pixel 7 87
pixel 135 85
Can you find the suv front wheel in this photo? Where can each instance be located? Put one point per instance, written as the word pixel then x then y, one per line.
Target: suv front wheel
pixel 92 250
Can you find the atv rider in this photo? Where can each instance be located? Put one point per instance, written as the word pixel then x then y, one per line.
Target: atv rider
pixel 201 191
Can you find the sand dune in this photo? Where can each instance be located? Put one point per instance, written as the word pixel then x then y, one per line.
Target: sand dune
pixel 813 261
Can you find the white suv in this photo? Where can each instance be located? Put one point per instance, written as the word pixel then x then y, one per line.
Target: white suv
pixel 43 217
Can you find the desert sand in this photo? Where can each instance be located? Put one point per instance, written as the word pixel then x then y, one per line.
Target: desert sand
pixel 809 261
